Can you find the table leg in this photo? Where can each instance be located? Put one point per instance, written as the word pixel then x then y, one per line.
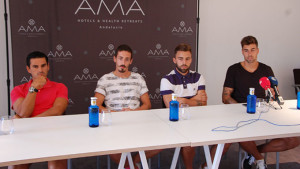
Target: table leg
pixel 218 156
pixel 122 161
pixel 207 156
pixel 175 157
pixel 143 160
pixel 130 160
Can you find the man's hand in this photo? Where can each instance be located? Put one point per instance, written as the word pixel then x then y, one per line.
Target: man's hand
pixel 39 82
pixel 127 109
pixel 182 100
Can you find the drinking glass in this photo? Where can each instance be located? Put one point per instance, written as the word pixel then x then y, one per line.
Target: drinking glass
pixel 105 118
pixel 184 112
pixel 6 125
pixel 262 106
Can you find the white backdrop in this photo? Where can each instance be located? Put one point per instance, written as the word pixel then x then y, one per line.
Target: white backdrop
pixel 222 25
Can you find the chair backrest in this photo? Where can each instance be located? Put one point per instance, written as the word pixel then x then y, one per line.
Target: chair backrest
pixel 296 78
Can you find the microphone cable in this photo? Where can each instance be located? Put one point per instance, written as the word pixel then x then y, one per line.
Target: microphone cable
pixel 250 121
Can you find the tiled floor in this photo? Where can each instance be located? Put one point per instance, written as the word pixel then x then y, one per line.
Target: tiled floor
pixel 288 160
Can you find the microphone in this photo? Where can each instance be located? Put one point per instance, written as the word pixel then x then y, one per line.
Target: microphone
pixel 265 84
pixel 274 84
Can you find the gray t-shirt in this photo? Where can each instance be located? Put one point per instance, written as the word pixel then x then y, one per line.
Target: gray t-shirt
pixel 121 92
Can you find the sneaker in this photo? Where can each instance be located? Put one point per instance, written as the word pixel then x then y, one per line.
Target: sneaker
pixel 247 161
pixel 260 164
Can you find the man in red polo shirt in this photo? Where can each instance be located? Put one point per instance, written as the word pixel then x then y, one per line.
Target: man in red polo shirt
pixel 39 97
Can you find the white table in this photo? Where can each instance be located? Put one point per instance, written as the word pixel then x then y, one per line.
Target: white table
pixel 203 119
pixel 64 137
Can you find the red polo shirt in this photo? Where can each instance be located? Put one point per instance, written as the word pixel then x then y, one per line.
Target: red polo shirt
pixel 44 98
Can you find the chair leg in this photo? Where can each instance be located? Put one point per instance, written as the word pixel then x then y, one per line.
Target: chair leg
pixel 98 162
pixel 69 164
pixel 158 160
pixel 108 162
pixel 149 163
pixel 240 157
pixel 277 160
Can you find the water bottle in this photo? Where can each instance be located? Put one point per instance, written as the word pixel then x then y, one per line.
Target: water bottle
pixel 93 113
pixel 298 100
pixel 251 101
pixel 174 108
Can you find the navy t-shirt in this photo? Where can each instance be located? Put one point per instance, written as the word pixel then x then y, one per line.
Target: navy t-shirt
pixel 241 80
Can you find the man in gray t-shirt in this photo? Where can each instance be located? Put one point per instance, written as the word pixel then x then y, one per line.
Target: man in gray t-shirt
pixel 123 90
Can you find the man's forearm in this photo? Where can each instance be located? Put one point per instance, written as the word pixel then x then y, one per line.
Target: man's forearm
pixel 26 107
pixel 229 100
pixel 194 102
pixel 52 112
pixel 144 107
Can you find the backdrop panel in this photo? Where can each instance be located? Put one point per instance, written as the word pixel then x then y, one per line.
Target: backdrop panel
pixel 80 36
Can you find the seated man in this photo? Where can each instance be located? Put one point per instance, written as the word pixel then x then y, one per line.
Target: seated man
pixel 123 90
pixel 239 78
pixel 189 87
pixel 39 97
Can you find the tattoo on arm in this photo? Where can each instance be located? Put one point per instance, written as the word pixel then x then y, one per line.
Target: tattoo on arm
pixel 199 103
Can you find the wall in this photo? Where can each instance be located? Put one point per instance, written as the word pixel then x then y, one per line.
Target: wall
pixel 223 24
pixel 3 71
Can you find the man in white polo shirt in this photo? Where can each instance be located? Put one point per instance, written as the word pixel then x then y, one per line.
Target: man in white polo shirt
pixel 189 87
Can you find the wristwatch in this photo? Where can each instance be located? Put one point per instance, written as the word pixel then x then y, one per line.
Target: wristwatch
pixel 32 89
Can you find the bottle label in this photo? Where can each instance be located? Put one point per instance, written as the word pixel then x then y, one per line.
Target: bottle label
pixel 94 110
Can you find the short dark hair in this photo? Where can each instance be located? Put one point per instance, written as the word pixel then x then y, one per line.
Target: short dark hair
pixel 183 47
pixel 35 54
pixel 123 47
pixel 249 40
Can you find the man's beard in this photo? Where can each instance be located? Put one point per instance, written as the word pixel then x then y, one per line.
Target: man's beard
pixel 122 70
pixel 182 70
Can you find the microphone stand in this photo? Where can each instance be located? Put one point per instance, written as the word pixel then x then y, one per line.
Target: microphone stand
pixel 197 33
pixel 7 58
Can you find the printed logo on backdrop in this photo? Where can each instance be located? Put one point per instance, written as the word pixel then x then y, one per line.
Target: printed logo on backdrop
pixel 107 54
pixel 60 55
pixel 135 70
pixel 31 29
pixel 110 12
pixel 25 79
pixel 158 52
pixel 71 102
pixel 86 77
pixel 155 97
pixel 182 30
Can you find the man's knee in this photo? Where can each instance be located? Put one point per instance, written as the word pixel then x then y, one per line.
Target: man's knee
pixel 291 142
pixel 21 166
pixel 57 164
pixel 188 149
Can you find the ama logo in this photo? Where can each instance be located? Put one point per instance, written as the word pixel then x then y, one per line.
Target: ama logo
pixel 86 77
pixel 31 29
pixel 95 10
pixel 25 79
pixel 71 102
pixel 107 54
pixel 158 53
pixel 135 70
pixel 156 97
pixel 182 30
pixel 59 55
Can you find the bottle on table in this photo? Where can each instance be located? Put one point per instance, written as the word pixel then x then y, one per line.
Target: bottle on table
pixel 251 101
pixel 174 108
pixel 93 113
pixel 298 100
